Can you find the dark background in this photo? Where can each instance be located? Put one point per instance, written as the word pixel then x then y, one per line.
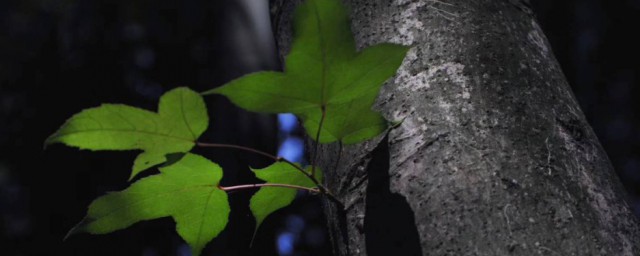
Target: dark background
pixel 58 57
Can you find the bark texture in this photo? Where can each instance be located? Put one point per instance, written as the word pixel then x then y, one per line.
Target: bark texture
pixel 494 156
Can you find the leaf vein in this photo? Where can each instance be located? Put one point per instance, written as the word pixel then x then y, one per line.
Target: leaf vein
pixel 204 212
pixel 121 130
pixel 184 116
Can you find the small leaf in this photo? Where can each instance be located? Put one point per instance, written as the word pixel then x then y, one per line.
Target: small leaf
pixel 269 199
pixel 186 190
pixel 181 119
pixel 323 70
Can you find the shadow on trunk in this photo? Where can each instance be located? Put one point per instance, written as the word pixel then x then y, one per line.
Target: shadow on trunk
pixel 389 224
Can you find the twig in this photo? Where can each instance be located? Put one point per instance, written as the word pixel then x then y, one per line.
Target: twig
pixel 247 186
pixel 321 188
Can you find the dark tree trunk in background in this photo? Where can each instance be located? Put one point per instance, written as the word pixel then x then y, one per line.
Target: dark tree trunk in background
pixel 494 156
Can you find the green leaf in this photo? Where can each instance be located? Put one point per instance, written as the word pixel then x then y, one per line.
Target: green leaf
pixel 181 119
pixel 186 190
pixel 269 199
pixel 323 70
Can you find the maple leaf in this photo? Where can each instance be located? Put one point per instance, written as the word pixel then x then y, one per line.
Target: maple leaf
pixel 269 199
pixel 325 80
pixel 181 119
pixel 186 190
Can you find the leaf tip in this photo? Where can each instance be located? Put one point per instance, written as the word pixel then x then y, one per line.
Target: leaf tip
pixel 50 140
pixel 132 175
pixel 253 237
pixel 78 228
pixel 210 92
pixel 45 145
pixel 396 124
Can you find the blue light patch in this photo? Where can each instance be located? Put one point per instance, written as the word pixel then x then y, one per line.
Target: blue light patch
pixel 287 122
pixel 285 243
pixel 292 149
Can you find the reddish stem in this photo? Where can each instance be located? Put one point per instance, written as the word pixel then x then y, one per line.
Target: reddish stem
pixel 275 158
pixel 248 186
pixel 255 151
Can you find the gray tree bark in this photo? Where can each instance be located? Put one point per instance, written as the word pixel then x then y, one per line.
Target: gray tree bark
pixel 494 156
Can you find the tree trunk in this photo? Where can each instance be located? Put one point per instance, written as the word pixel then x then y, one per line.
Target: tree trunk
pixel 494 156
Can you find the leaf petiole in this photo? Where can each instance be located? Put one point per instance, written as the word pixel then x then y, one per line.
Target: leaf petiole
pixel 275 158
pixel 248 186
pixel 315 150
pixel 248 149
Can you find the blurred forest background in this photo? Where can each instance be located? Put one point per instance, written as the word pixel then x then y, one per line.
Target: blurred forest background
pixel 60 56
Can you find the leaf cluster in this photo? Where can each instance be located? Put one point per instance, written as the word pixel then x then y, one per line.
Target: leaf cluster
pixel 328 84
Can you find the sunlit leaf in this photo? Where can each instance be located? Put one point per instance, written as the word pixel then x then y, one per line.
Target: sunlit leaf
pixel 323 71
pixel 269 199
pixel 181 119
pixel 186 190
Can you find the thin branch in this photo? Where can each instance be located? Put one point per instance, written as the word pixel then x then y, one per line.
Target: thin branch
pixel 255 151
pixel 248 186
pixel 248 149
pixel 322 188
